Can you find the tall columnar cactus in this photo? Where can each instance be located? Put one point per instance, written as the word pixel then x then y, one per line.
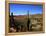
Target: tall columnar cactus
pixel 28 22
pixel 12 23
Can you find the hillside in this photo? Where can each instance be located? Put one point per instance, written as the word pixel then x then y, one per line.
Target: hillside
pixel 35 20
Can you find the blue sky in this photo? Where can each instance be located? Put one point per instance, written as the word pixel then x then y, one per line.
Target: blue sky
pixel 22 9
